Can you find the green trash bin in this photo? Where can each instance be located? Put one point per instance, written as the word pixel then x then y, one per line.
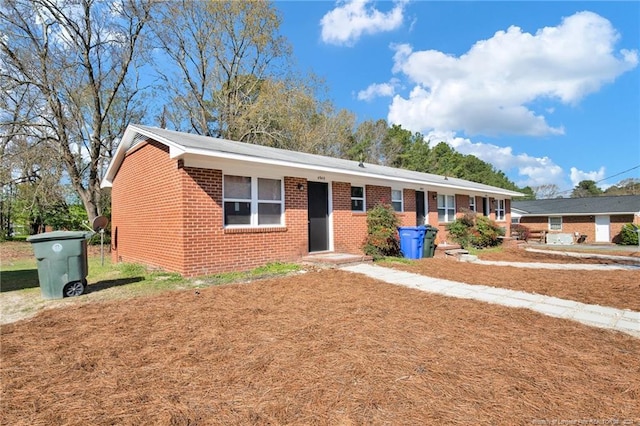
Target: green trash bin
pixel 62 262
pixel 429 246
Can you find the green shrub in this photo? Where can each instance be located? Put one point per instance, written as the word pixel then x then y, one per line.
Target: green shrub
pixel 473 230
pixel 521 231
pixel 382 232
pixel 460 232
pixel 629 235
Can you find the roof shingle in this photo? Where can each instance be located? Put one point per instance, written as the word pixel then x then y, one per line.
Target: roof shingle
pixel 623 204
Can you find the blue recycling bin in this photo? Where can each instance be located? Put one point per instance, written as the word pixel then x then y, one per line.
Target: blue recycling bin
pixel 411 241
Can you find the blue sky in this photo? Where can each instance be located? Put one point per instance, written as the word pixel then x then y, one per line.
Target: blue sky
pixel 547 92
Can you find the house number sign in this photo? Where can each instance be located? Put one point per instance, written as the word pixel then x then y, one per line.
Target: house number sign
pixel 321 178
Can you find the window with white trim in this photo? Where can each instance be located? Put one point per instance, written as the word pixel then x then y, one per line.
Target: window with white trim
pixel 500 210
pixel 472 203
pixel 396 199
pixel 555 223
pixel 446 208
pixel 252 201
pixel 357 198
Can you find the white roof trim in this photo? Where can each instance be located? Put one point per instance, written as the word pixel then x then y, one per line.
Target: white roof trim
pixel 302 166
pixel 177 151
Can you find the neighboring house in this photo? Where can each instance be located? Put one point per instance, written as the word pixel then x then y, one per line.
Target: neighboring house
pixel 589 220
pixel 199 205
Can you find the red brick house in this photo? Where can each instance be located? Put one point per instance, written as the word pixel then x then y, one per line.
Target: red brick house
pixel 587 220
pixel 198 205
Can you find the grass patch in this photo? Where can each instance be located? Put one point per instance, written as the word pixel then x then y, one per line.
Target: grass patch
pixel 133 279
pixel 268 270
pixel 391 260
pixel 129 270
pixel 476 251
pixel 275 268
pixel 20 295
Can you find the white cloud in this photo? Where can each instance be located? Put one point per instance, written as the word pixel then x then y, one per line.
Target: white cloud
pixel 578 176
pixel 532 171
pixel 378 90
pixel 345 24
pixel 488 89
pixel 73 12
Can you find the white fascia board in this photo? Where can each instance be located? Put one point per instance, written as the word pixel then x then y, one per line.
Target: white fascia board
pixel 126 143
pixel 202 158
pixel 116 160
pixel 520 211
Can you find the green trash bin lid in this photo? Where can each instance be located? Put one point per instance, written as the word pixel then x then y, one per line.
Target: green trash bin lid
pixel 59 235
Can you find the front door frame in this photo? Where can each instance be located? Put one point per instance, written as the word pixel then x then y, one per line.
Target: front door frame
pixel 602 229
pixel 329 219
pixel 421 207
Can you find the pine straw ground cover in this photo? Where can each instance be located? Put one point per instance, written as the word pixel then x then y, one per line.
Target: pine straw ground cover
pixel 617 288
pixel 323 348
pixel 557 256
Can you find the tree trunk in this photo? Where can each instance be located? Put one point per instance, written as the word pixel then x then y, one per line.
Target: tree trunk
pixel 90 205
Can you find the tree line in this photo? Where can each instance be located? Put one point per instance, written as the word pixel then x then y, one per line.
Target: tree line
pixel 75 73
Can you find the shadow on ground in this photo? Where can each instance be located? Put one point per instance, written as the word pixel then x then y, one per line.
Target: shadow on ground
pixel 105 284
pixel 18 280
pixel 28 278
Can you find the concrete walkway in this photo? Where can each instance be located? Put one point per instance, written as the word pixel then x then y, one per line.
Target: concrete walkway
pixel 623 320
pixel 587 255
pixel 541 265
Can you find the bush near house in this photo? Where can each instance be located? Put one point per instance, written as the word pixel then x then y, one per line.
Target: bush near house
pixel 520 231
pixel 475 231
pixel 629 235
pixel 382 232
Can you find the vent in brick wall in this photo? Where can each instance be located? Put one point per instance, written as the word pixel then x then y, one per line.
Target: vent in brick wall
pixel 137 139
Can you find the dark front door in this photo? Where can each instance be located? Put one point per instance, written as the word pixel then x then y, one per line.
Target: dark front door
pixel 421 213
pixel 486 210
pixel 318 196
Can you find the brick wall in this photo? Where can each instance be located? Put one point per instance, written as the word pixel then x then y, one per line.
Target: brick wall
pixel 147 209
pixel 462 206
pixel 214 249
pixel 583 225
pixel 349 228
pixel 618 221
pixel 169 216
pixel 408 216
pixel 377 194
pixel 507 206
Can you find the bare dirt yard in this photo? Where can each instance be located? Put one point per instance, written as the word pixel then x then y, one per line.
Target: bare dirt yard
pixel 324 347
